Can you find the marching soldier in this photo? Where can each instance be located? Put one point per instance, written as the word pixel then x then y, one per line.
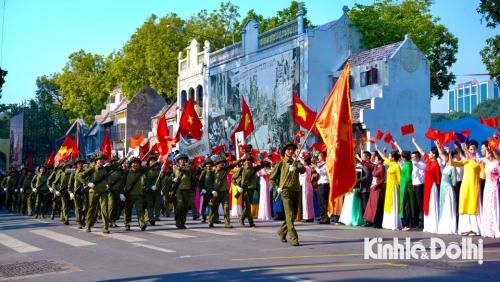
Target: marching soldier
pixel 222 196
pixel 247 173
pixel 61 187
pixel 195 183
pixel 113 182
pixel 206 186
pixel 75 186
pixel 10 186
pixel 98 194
pixel 289 191
pixel 21 199
pixel 182 172
pixel 166 190
pixel 39 185
pixel 28 202
pixel 131 184
pixel 56 205
pixel 149 190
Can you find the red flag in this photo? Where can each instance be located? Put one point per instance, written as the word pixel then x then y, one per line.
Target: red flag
pixel 407 129
pixel 198 160
pixel 393 146
pixel 64 151
pixel 107 145
pixel 162 130
pixel 379 135
pixel 448 137
pixel 165 147
pixel 465 133
pixel 388 137
pixel 372 140
pixel 363 137
pixel 246 121
pixel 190 122
pixel 144 150
pixel 302 115
pixel 136 141
pixel 50 160
pixel 30 159
pixel 318 146
pixel 264 155
pixel 431 134
pixel 299 134
pixel 337 135
pixel 218 149
pixel 76 152
pixel 493 143
pixel 493 122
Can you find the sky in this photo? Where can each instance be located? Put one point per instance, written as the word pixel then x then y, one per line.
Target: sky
pixel 39 35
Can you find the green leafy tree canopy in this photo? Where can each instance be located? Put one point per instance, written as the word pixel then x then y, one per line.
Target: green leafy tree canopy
pixel 387 21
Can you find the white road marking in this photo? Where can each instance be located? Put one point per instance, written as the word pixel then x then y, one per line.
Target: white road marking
pixel 153 248
pixel 17 245
pixel 61 238
pixel 217 232
pixel 125 238
pixel 172 234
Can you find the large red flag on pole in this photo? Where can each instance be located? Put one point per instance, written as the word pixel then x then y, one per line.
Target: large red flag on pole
pixel 302 115
pixel 107 145
pixel 76 152
pixel 50 160
pixel 64 151
pixel 246 121
pixel 190 122
pixel 334 123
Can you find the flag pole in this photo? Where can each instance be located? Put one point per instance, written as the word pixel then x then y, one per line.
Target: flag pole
pixel 256 142
pixel 295 160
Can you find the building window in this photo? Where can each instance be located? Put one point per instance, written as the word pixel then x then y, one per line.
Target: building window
pixel 200 95
pixel 467 104
pixel 451 100
pixel 368 77
pixel 171 130
pixel 473 102
pixel 483 88
pixel 183 98
pixel 191 94
pixel 474 90
pixel 460 104
pixel 495 90
pixel 460 92
pixel 121 130
pixel 467 91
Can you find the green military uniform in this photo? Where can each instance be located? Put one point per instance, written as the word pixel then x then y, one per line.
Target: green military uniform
pixel 113 184
pixel 79 198
pixel 29 202
pixel 207 183
pixel 195 183
pixel 61 186
pixel 134 198
pixel 166 190
pixel 10 186
pixel 182 193
pixel 56 205
pixel 223 193
pixel 290 193
pixel 99 194
pixel 239 178
pixel 39 184
pixel 21 199
pixel 151 193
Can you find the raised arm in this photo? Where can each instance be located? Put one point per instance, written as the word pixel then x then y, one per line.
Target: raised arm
pixel 378 150
pixel 417 146
pixel 397 145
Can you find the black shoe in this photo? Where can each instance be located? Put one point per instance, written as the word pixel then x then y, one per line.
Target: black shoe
pixel 183 226
pixel 283 238
pixel 127 228
pixel 295 244
pixel 367 224
pixel 178 226
pixel 307 220
pixel 420 225
pixel 143 227
pixel 195 217
pixel 88 230
pixel 152 222
pixel 218 221
pixel 210 225
pixel 105 231
pixel 66 222
pixel 377 226
pixel 228 226
pixel 80 226
pixel 252 225
pixel 157 219
pixel 203 220
pixel 168 215
pixel 325 221
pixel 36 215
pixel 51 217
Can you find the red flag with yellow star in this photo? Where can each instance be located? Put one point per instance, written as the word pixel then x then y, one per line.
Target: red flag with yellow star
pixel 65 150
pixel 334 123
pixel 190 122
pixel 493 143
pixel 107 145
pixel 246 121
pixel 302 115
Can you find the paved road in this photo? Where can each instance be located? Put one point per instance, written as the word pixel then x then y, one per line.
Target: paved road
pixel 199 253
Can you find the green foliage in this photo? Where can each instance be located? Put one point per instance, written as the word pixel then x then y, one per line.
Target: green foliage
pixel 387 21
pixel 490 9
pixel 3 74
pixel 150 57
pixel 437 117
pixel 83 85
pixel 282 17
pixel 488 108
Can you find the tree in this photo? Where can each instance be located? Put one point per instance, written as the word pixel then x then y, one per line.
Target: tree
pixel 84 85
pixel 488 108
pixel 3 74
pixel 437 117
pixel 282 17
pixel 387 21
pixel 490 9
pixel 150 57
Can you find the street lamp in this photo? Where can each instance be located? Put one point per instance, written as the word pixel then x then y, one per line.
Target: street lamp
pixel 186 31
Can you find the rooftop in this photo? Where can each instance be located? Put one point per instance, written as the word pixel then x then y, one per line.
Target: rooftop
pixel 373 55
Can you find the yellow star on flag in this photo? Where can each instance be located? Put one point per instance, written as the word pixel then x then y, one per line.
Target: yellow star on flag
pixel 190 119
pixel 301 112
pixel 247 121
pixel 492 143
pixel 63 150
pixel 343 131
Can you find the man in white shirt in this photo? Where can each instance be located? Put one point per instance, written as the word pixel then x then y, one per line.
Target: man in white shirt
pixel 418 178
pixel 323 189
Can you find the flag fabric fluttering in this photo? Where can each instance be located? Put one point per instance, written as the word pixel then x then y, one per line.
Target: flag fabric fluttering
pixel 162 130
pixel 334 123
pixel 136 141
pixel 302 115
pixel 388 137
pixel 107 145
pixel 407 129
pixel 246 121
pixel 50 160
pixel 190 122
pixel 64 151
pixel 76 151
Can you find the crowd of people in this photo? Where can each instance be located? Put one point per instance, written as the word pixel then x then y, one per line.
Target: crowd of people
pixel 443 191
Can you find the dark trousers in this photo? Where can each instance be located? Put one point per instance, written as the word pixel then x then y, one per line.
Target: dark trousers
pixel 408 220
pixel 323 192
pixel 418 193
pixel 457 192
pixel 379 215
pixel 364 200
